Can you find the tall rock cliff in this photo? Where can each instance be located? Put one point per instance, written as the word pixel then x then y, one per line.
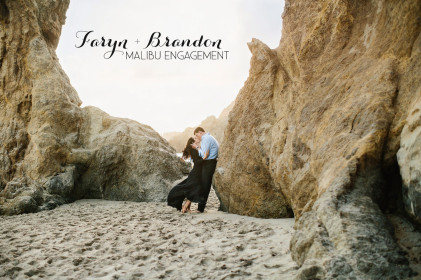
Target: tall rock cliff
pixel 53 151
pixel 317 129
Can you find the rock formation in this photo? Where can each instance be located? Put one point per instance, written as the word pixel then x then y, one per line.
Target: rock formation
pixel 213 125
pixel 53 151
pixel 317 128
pixel 409 158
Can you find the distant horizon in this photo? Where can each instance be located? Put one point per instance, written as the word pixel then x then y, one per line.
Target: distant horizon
pixel 169 96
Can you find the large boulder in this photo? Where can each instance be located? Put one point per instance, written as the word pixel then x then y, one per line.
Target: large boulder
pixel 53 151
pixel 243 176
pixel 317 128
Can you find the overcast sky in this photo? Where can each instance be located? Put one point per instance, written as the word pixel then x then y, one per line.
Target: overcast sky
pixel 168 95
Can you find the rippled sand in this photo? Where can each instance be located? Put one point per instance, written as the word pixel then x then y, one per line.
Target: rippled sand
pixel 99 239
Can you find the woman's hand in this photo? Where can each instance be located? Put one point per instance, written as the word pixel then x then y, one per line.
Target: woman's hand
pixel 194 146
pixel 206 155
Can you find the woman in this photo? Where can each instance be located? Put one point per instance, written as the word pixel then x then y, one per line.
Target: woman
pixel 191 187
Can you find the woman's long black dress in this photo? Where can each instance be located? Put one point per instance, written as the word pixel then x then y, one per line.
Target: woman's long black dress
pixel 191 187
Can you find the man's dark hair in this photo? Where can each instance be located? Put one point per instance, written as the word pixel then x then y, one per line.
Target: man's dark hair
pixel 198 129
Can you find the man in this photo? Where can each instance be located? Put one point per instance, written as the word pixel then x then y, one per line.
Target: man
pixel 209 152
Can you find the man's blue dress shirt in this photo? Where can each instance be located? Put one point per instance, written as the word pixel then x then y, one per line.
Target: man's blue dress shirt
pixel 210 144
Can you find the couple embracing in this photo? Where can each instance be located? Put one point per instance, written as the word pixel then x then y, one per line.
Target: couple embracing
pixel 197 186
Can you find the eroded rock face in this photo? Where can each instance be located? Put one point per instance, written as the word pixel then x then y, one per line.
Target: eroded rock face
pixel 52 151
pixel 243 177
pixel 318 124
pixel 409 157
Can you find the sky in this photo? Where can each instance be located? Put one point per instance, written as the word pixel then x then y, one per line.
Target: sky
pixel 168 95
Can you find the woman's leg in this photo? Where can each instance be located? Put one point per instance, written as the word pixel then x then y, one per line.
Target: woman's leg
pixel 186 206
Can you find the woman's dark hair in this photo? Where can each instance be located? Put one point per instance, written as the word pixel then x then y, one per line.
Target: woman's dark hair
pixel 188 148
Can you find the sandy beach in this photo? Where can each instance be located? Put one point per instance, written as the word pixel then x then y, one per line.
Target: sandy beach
pixel 99 239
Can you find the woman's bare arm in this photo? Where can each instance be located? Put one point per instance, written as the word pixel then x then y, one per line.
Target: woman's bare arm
pixel 206 155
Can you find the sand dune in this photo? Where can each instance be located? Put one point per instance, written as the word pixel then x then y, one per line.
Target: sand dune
pixel 99 239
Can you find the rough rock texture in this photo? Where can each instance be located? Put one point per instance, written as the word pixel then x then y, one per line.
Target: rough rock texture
pixel 409 157
pixel 243 178
pixel 52 151
pixel 213 125
pixel 317 128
